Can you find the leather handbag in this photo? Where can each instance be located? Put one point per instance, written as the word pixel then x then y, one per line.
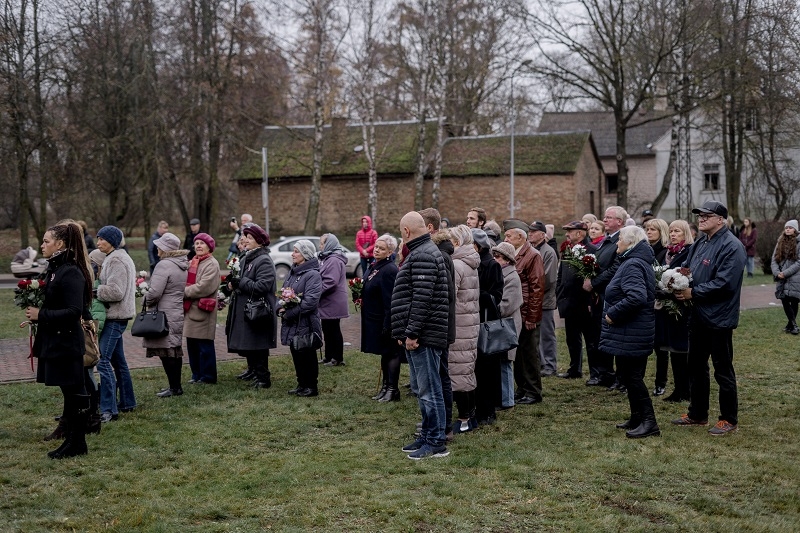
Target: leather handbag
pixel 308 341
pixel 497 336
pixel 150 324
pixel 257 310
pixel 207 304
pixel 92 354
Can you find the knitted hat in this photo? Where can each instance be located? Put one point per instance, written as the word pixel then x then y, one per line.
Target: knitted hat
pixel 258 233
pixel 168 242
pixel 306 248
pixel 793 224
pixel 97 257
pixel 206 238
pixel 505 249
pixel 111 234
pixel 480 238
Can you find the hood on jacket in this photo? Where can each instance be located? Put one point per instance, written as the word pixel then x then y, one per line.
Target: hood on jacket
pixel 369 223
pixel 445 246
pixel 467 253
pixel 642 250
pixel 306 265
pixel 181 261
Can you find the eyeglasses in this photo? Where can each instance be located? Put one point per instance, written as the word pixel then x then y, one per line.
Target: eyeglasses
pixel 705 216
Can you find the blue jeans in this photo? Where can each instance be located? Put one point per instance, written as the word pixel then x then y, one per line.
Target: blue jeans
pixel 424 366
pixel 507 383
pixel 202 359
pixel 113 370
pixel 751 264
pixel 365 263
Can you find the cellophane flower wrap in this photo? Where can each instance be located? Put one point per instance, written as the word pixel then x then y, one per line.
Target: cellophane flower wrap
pixel 142 286
pixel 356 288
pixel 579 258
pixel 29 293
pixel 287 298
pixel 672 280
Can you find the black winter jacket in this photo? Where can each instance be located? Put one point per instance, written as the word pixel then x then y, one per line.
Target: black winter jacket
pixel 490 278
pixel 59 332
pixel 607 264
pixel 257 280
pixel 629 302
pixel 447 249
pixel 420 300
pixel 571 299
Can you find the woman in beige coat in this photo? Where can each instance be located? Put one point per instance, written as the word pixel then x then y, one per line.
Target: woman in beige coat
pixel 464 351
pixel 166 293
pixel 509 307
pixel 200 323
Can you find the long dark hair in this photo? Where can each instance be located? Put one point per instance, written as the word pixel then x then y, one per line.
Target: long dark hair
pixel 71 234
pixel 787 248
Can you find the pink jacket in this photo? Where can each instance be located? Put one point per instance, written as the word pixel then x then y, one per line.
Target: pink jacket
pixel 365 238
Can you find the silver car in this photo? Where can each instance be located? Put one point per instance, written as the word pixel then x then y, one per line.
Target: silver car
pixel 281 253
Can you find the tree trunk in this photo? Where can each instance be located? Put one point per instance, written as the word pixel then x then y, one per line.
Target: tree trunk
pixel 622 163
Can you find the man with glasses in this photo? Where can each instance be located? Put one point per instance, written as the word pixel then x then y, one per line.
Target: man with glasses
pixel 601 365
pixel 716 262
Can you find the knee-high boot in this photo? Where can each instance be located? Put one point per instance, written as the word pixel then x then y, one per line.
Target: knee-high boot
pixel 649 426
pixel 75 443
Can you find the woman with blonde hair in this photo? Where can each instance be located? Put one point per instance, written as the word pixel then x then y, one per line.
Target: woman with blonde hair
pixel 657 232
pixel 597 232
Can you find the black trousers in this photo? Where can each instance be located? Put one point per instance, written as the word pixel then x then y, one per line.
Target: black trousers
pixel 306 367
pixel 705 342
pixel 578 329
pixel 601 364
pixel 630 372
pixel 258 362
pixel 528 364
pixel 487 394
pixel 334 342
pixel 662 367
pixel 790 308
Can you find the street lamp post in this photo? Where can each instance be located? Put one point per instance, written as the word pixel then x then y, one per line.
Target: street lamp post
pixel 513 123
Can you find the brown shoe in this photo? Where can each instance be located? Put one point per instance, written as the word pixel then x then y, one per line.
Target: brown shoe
pixel 723 427
pixel 684 420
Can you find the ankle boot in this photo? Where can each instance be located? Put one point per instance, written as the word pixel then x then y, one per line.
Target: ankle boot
pixel 648 427
pixel 381 392
pixel 392 394
pixel 93 424
pixel 75 443
pixel 247 375
pixel 60 432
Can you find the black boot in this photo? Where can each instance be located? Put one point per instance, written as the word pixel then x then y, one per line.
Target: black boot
pixel 392 395
pixel 262 376
pixel 75 443
pixel 247 375
pixel 381 392
pixel 648 427
pixel 632 423
pixel 60 432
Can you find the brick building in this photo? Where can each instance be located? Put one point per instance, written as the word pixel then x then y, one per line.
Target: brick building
pixel 558 177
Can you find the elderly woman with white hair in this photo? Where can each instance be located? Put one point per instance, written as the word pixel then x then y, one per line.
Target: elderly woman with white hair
pixel 629 324
pixel 300 319
pixel 376 317
pixel 464 351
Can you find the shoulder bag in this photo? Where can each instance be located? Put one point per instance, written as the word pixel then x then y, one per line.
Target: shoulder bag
pixel 92 354
pixel 310 340
pixel 256 310
pixel 497 336
pixel 150 324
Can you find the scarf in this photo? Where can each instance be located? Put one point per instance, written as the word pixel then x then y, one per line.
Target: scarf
pixel 598 240
pixel 331 247
pixel 191 278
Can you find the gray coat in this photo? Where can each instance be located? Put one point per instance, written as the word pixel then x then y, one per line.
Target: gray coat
pixel 118 286
pixel 302 318
pixel 512 301
pixel 789 286
pixel 550 260
pixel 200 324
pixel 334 298
pixel 166 293
pixel 257 280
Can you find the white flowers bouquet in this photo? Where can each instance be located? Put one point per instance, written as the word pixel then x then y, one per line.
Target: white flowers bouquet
pixel 672 280
pixel 579 258
pixel 234 266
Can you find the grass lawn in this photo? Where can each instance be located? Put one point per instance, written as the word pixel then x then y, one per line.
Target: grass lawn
pixel 226 458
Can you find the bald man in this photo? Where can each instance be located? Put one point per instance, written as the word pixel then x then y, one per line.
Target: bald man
pixel 420 310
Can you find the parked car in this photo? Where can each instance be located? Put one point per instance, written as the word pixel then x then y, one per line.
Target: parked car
pixel 281 253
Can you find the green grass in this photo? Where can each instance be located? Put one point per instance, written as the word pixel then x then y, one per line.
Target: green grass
pixel 226 458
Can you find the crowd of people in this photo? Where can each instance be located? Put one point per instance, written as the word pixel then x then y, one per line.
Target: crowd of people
pixel 424 301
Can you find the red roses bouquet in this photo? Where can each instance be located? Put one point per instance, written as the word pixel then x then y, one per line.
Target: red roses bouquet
pixel 29 293
pixel 584 263
pixel 356 288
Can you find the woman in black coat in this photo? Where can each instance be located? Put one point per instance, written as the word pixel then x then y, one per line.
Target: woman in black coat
pixel 376 317
pixel 59 343
pixel 628 323
pixel 672 333
pixel 302 319
pixel 256 280
pixel 487 367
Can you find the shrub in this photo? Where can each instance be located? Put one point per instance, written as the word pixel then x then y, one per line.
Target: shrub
pixel 768 233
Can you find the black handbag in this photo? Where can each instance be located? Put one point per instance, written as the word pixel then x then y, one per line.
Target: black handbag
pixel 150 324
pixel 256 310
pixel 307 341
pixel 497 336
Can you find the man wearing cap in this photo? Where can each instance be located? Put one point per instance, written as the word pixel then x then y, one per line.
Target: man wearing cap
pixel 647 214
pixel 574 305
pixel 530 267
pixel 537 236
pixel 152 252
pixel 601 365
pixel 117 290
pixel 716 261
pixel 188 243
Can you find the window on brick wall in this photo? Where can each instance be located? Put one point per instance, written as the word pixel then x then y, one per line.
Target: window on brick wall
pixel 711 177
pixel 611 184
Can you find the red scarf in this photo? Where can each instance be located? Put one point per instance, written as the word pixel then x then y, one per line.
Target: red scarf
pixel 191 278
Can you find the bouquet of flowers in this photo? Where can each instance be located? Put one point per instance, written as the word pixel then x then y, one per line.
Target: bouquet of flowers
pixel 234 266
pixel 29 293
pixel 356 288
pixel 141 283
pixel 287 298
pixel 584 263
pixel 672 280
pixel 222 300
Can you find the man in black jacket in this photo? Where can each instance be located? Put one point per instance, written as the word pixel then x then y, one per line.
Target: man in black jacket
pixel 601 365
pixel 420 309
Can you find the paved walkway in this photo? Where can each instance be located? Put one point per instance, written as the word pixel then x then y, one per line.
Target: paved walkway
pixel 15 367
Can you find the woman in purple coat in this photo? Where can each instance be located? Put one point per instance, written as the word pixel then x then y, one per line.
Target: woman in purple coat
pixel 333 301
